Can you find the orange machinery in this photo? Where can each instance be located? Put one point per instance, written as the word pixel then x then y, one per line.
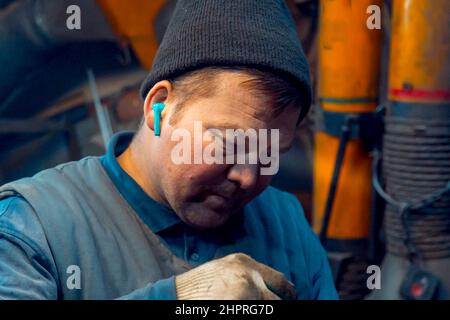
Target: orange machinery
pixel 349 68
pixel 132 23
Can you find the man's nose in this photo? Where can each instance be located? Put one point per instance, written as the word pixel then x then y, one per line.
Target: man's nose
pixel 245 175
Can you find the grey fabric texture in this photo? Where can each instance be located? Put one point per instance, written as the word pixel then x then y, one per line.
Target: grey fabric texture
pixel 88 224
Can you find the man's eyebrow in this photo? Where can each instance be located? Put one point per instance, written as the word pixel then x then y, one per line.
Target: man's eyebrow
pixel 223 126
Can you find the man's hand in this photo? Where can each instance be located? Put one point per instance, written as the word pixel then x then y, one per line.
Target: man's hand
pixel 236 276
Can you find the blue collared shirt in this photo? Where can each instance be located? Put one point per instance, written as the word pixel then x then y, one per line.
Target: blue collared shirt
pixel 27 268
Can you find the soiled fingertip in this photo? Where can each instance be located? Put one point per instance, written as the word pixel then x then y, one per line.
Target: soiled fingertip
pixel 289 292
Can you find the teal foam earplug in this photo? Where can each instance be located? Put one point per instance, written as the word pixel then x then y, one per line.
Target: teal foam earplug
pixel 157 109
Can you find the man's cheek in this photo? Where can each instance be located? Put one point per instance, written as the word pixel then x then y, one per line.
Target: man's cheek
pixel 206 174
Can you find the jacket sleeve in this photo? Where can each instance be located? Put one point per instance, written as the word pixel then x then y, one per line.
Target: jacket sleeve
pixel 163 289
pixel 322 283
pixel 27 269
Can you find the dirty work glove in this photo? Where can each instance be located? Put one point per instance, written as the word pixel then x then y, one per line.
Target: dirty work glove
pixel 234 277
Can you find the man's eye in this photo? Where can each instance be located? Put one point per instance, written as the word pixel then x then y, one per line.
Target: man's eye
pixel 229 147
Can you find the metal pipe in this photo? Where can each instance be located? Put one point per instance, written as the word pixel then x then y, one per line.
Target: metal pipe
pixel 102 115
pixel 416 157
pixel 349 63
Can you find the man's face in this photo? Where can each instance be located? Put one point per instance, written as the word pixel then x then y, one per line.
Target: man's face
pixel 206 195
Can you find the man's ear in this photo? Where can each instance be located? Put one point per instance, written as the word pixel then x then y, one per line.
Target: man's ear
pixel 159 93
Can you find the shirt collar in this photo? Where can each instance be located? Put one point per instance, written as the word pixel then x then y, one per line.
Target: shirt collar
pixel 156 216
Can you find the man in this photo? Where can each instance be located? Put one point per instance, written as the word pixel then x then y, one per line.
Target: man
pixel 139 224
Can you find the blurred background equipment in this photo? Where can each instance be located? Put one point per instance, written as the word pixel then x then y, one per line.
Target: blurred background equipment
pixel 370 164
pixel 416 154
pixel 348 91
pixel 46 100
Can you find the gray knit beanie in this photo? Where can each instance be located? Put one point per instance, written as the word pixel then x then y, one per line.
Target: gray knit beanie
pixel 259 34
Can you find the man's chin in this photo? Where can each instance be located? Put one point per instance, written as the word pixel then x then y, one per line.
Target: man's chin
pixel 202 217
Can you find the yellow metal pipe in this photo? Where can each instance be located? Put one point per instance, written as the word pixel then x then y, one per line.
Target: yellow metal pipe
pixel 420 50
pixel 419 89
pixel 349 63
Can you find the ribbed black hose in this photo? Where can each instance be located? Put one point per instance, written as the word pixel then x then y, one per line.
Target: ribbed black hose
pixel 416 172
